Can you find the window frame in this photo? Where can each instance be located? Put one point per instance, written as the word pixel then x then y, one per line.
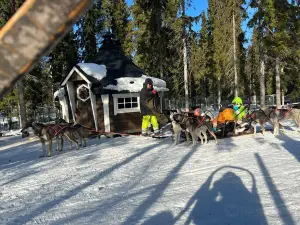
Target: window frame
pixel 126 110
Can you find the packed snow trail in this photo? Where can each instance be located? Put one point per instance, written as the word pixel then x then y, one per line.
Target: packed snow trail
pixel 137 180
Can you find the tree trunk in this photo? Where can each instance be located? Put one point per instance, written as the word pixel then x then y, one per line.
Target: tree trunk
pixel 185 66
pixel 186 87
pixel 278 92
pixel 162 93
pixel 234 58
pixel 219 91
pixel 161 71
pixel 22 105
pixel 262 67
pixel 262 82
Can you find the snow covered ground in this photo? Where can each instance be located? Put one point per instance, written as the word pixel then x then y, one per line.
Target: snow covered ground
pixel 136 180
pixel 12 132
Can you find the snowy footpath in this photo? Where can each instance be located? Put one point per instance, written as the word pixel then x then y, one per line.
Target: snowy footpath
pixel 246 180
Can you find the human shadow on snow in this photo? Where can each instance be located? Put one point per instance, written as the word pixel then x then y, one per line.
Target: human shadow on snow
pixel 226 201
pixel 165 218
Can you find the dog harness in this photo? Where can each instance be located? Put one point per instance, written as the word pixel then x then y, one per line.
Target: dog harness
pixel 57 128
pixel 286 113
pixel 200 122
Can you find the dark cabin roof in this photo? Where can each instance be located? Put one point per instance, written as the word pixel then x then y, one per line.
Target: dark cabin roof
pixel 117 64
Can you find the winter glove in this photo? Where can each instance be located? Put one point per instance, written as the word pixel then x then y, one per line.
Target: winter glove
pixel 154 91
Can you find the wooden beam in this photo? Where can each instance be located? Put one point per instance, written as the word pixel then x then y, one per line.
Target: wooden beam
pixel 105 101
pixel 94 107
pixel 33 32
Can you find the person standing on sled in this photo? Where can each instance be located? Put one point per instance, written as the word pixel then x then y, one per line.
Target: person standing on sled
pixel 239 113
pixel 147 98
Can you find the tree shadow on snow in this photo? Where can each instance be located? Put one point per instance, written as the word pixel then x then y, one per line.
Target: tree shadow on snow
pixel 28 154
pixel 225 201
pixel 51 204
pixel 279 201
pixel 291 145
pixel 158 191
pixel 14 156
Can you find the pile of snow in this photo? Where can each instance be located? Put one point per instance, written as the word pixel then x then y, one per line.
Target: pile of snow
pixel 60 93
pixel 12 133
pixel 4 120
pixel 94 70
pixel 135 84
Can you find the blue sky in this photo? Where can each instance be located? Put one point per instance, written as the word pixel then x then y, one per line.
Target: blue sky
pixel 202 5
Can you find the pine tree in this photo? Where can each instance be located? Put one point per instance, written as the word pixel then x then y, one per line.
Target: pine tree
pixel 158 41
pixel 63 57
pixel 252 64
pixel 293 60
pixel 149 18
pixel 276 21
pixel 8 8
pixel 9 105
pixel 225 19
pixel 89 30
pixel 199 57
pixel 116 19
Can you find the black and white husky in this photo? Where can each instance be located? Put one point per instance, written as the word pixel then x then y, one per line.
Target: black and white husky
pixel 190 125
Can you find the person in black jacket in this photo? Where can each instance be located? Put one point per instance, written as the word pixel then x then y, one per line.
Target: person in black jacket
pixel 147 99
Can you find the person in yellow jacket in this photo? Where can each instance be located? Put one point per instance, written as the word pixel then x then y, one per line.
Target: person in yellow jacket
pixel 240 112
pixel 147 98
pixel 239 109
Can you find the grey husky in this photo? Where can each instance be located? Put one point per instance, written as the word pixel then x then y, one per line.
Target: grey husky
pixel 257 116
pixel 78 130
pixel 278 115
pixel 189 125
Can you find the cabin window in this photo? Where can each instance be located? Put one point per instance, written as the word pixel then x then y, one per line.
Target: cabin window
pixel 126 103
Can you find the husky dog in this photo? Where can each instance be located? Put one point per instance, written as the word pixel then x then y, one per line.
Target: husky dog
pixel 258 116
pixel 277 115
pixel 47 132
pixel 177 130
pixel 79 131
pixel 190 125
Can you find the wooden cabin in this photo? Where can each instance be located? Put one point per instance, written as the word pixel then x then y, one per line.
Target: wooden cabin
pixel 104 93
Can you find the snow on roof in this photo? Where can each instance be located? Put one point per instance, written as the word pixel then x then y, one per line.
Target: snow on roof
pixel 94 70
pixel 59 93
pixel 56 94
pixel 135 84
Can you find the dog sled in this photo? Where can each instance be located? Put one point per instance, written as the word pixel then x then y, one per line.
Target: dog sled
pixel 225 124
